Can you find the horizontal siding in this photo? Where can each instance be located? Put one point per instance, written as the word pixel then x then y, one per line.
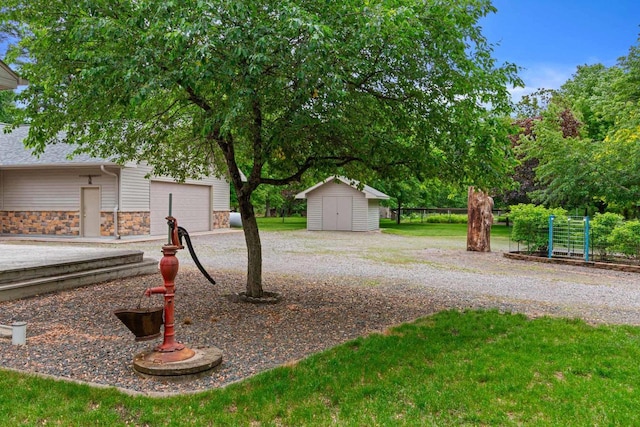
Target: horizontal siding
pixel 221 195
pixel 337 189
pixel 59 189
pixel 374 215
pixel 135 189
pixel 314 213
pixel 360 214
pixel 44 190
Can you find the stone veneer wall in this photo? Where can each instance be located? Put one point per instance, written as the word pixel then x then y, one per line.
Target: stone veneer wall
pixel 106 223
pixel 58 223
pixel 220 219
pixel 133 223
pixel 67 223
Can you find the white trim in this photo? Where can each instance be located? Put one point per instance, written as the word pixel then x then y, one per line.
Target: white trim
pixel 369 192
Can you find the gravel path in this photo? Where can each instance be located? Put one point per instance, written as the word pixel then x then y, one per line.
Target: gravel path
pixel 335 287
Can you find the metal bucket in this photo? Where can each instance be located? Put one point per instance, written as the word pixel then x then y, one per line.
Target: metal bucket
pixel 143 322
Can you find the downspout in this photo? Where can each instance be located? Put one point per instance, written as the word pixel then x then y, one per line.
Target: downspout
pixel 116 235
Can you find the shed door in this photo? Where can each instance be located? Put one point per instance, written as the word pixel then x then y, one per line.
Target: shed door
pixel 191 206
pixel 336 213
pixel 90 211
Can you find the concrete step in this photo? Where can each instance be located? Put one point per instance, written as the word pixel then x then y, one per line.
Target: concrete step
pixel 77 278
pixel 72 265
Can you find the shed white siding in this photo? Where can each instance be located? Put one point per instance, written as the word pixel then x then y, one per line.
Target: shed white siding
pixel 374 215
pixel 360 212
pixel 55 189
pixel 314 213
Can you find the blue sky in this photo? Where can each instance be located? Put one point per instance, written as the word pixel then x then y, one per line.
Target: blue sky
pixel 550 38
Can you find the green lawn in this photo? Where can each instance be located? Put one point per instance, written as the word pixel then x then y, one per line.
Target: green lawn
pixel 425 229
pixel 472 368
pixel 405 228
pixel 282 224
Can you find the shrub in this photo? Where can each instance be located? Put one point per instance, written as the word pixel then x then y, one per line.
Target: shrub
pixel 602 226
pixel 501 218
pixel 625 238
pixel 531 225
pixel 446 219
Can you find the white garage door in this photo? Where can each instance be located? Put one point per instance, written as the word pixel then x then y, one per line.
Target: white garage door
pixel 191 206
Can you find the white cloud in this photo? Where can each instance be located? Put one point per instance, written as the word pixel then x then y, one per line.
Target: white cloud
pixel 542 76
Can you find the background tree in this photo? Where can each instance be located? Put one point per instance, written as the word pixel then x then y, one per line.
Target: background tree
pixel 586 143
pixel 405 193
pixel 7 106
pixel 275 89
pixel 528 111
pixel 269 197
pixel 413 193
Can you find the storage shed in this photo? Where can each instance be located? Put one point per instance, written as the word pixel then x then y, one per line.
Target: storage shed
pixel 336 204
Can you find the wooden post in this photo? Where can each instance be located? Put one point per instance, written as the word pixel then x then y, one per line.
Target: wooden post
pixel 480 218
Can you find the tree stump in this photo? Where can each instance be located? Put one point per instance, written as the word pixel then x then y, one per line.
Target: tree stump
pixel 480 218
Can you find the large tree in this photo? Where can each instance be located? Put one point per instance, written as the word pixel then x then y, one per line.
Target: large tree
pixel 586 142
pixel 352 87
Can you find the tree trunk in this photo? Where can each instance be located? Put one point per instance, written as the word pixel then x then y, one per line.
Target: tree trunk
pixel 480 218
pixel 254 247
pixel 267 209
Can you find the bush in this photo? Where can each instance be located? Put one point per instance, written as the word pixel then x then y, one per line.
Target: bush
pixel 410 217
pixel 625 238
pixel 531 225
pixel 602 226
pixel 435 218
pixel 446 219
pixel 501 218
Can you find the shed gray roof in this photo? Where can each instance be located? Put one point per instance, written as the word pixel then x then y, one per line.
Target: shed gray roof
pixel 369 192
pixel 13 153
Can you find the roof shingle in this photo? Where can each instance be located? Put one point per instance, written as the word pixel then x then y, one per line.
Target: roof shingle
pixel 13 153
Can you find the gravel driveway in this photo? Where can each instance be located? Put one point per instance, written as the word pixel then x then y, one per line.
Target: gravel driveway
pixel 439 265
pixel 335 286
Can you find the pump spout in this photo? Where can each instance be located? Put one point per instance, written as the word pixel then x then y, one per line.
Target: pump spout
pixel 155 290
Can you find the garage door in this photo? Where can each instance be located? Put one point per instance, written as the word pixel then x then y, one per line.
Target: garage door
pixel 191 206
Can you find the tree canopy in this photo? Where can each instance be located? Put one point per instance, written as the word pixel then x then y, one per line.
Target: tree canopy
pixel 586 141
pixel 275 89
